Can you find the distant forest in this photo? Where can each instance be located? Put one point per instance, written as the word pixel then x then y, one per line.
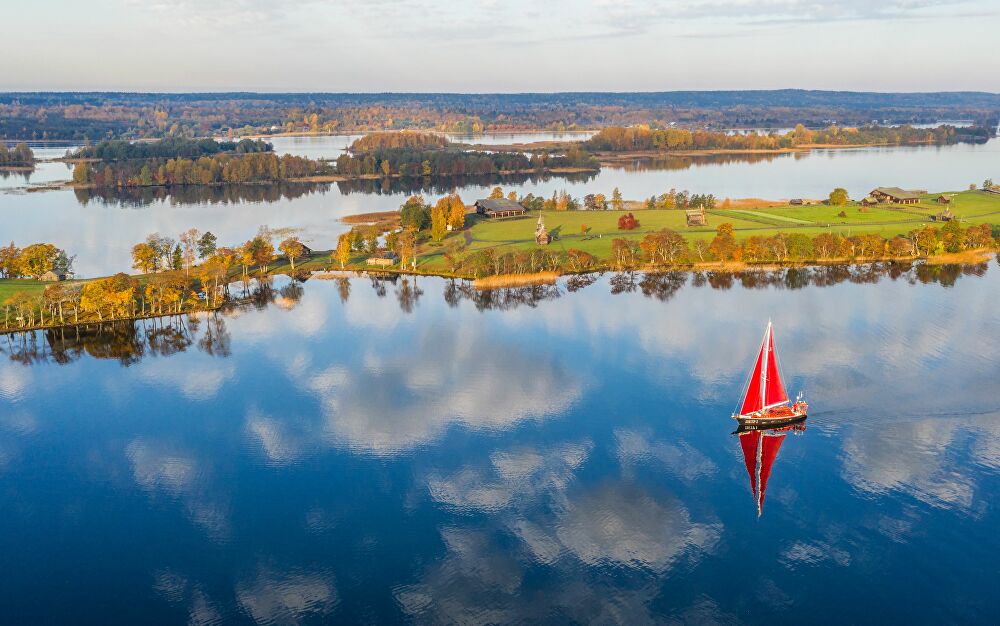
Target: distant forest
pixel 98 116
pixel 621 139
pixel 171 147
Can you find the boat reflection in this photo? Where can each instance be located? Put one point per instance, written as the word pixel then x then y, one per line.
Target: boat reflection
pixel 760 449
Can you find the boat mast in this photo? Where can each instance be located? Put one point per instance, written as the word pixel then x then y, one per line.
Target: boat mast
pixel 763 368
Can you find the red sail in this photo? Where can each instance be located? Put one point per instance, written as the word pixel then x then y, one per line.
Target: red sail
pixel 770 444
pixel 749 442
pixel 753 401
pixel 774 390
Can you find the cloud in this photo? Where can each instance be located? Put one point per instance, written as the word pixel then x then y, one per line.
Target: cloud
pixel 287 597
pixel 408 397
pixel 197 379
pixel 178 474
pixel 517 476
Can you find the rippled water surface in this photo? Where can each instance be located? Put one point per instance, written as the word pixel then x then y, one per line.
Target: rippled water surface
pixel 359 451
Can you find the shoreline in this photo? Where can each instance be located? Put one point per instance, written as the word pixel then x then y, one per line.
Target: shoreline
pixel 505 281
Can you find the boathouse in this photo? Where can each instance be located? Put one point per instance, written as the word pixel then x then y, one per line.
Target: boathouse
pixel 895 195
pixel 499 208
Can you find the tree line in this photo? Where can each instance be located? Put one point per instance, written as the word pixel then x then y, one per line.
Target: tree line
pixel 667 248
pixel 34 261
pixel 170 147
pixel 20 154
pixel 206 170
pixel 136 115
pixel 643 137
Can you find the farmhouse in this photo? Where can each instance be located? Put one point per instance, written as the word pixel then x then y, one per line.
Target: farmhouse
pixel 499 208
pixel 895 195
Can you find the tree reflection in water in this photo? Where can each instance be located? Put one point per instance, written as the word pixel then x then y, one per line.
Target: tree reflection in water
pixel 129 341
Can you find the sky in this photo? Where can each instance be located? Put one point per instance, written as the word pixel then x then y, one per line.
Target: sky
pixel 500 45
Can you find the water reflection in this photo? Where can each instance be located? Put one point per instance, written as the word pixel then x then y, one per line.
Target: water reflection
pixel 760 450
pixel 370 449
pixel 130 341
pixel 138 197
pixel 439 186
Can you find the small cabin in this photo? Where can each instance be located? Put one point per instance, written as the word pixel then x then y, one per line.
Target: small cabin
pixel 895 195
pixel 383 258
pixel 943 200
pixel 868 201
pixel 52 277
pixel 944 216
pixel 796 202
pixel 499 208
pixel 695 217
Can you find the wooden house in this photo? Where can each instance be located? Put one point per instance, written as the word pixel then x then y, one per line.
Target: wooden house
pixel 383 258
pixel 942 199
pixel 499 208
pixel 52 277
pixel 944 216
pixel 695 217
pixel 895 195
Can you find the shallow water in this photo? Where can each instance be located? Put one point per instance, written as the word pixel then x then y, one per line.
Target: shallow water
pixel 416 451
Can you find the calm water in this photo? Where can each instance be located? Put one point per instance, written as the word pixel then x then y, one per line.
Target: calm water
pixel 391 452
pixel 102 231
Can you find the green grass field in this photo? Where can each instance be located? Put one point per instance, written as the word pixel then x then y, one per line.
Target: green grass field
pixel 594 231
pixel 971 207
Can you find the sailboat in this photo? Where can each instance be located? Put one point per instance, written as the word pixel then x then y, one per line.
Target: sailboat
pixel 765 403
pixel 760 449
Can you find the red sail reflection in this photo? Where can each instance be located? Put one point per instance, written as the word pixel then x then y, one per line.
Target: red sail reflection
pixel 760 449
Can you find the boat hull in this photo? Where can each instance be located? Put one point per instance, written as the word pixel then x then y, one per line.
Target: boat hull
pixel 776 416
pixel 765 423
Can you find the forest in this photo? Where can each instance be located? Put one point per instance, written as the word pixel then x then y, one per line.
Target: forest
pixel 206 170
pixel 96 116
pixel 621 139
pixel 415 162
pixel 20 155
pixel 170 147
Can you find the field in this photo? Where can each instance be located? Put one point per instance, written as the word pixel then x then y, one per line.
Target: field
pixel 971 207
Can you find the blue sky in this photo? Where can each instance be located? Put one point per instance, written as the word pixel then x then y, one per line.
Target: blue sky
pixel 505 46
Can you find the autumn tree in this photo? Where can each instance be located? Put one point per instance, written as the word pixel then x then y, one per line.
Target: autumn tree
pixel 439 218
pixel 37 259
pixel 145 258
pixel 343 250
pixel 189 240
pixel 617 203
pixel 723 246
pixel 496 194
pixel 839 197
pixel 456 212
pixel 292 248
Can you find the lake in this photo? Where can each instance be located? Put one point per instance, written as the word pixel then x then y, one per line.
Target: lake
pixel 415 451
pixel 101 231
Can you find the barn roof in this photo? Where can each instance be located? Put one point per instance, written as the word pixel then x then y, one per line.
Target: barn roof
pixel 896 192
pixel 499 204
